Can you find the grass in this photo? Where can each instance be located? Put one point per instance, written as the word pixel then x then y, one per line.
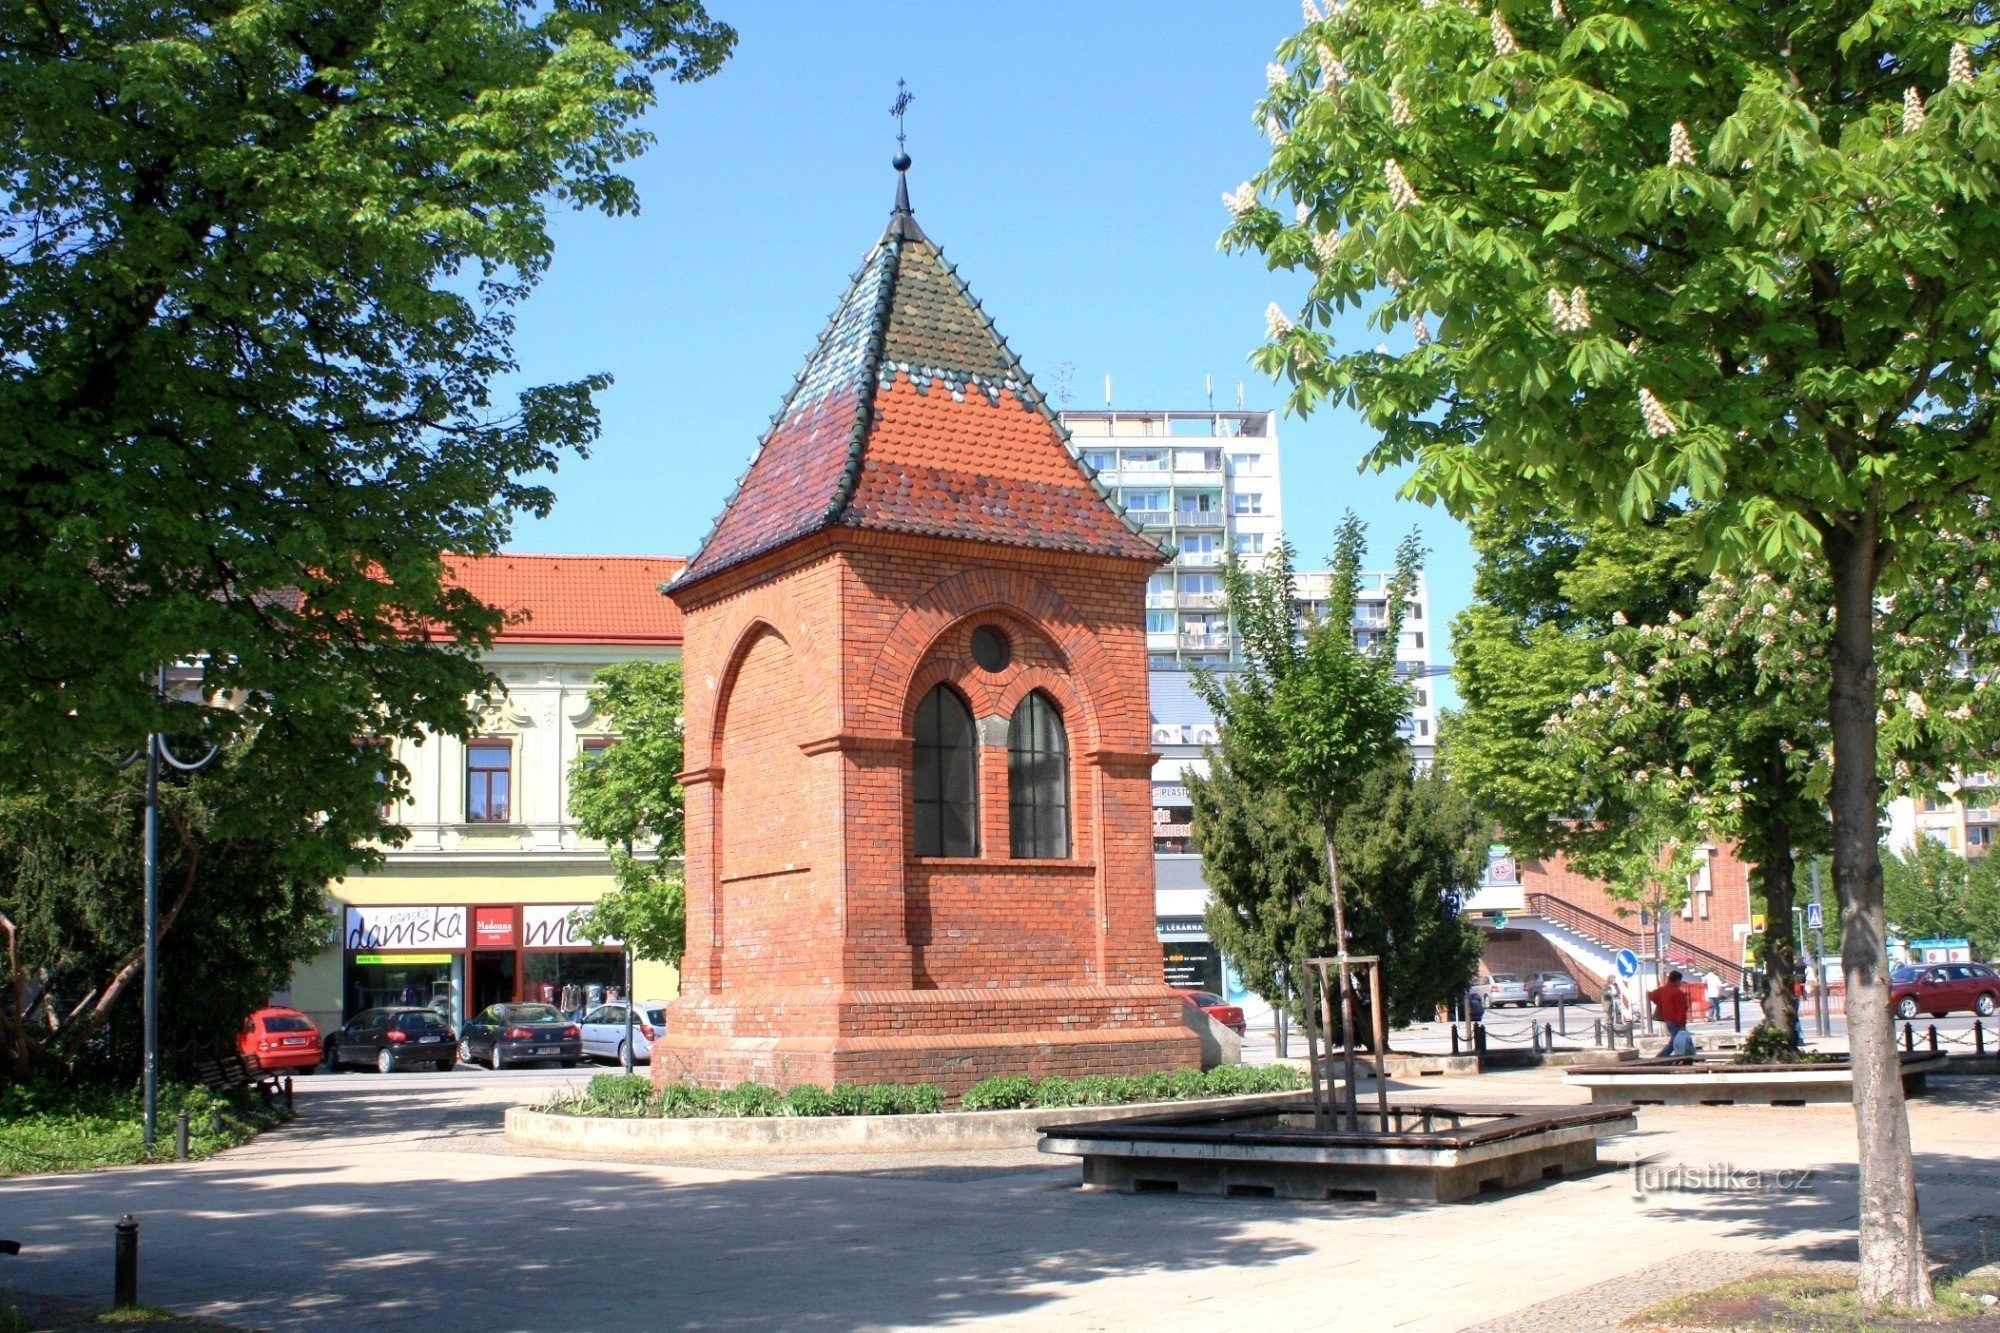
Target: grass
pixel 1793 1301
pixel 47 1127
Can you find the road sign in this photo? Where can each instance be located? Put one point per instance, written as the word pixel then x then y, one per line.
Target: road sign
pixel 1499 921
pixel 1628 963
pixel 1815 917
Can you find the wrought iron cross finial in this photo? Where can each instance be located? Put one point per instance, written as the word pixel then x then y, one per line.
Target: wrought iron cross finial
pixel 902 104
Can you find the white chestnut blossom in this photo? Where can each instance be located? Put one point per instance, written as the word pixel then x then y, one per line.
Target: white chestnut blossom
pixel 1680 146
pixel 1332 71
pixel 1571 315
pixel 1325 244
pixel 1913 703
pixel 1421 330
pixel 1399 108
pixel 1658 422
pixel 1913 110
pixel 1557 12
pixel 1401 194
pixel 1275 74
pixel 1311 11
pixel 1275 132
pixel 1503 37
pixel 1276 322
pixel 1242 199
pixel 1961 63
pixel 1618 618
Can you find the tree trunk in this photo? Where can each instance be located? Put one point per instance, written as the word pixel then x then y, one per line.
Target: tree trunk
pixel 1894 1268
pixel 1346 986
pixel 1777 875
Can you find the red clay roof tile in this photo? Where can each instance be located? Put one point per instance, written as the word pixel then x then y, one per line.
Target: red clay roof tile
pixel 613 599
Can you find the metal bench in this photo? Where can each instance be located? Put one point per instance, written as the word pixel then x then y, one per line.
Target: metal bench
pixel 226 1073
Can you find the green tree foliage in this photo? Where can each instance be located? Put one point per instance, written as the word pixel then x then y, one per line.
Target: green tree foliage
pixel 1314 714
pixel 1933 893
pixel 1411 849
pixel 246 856
pixel 1740 253
pixel 629 794
pixel 257 268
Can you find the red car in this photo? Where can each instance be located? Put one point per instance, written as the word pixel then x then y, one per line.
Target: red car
pixel 1940 988
pixel 280 1039
pixel 1217 1008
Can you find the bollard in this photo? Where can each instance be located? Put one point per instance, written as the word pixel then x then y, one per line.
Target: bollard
pixel 125 1275
pixel 1548 1036
pixel 1479 1039
pixel 1562 1019
pixel 288 1092
pixel 1736 999
pixel 1934 1045
pixel 1978 1036
pixel 1597 1032
pixel 181 1136
pixel 1909 1037
pixel 1534 1036
pixel 1454 1039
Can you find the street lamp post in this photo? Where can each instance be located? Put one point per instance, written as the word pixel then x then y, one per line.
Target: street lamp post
pixel 157 753
pixel 630 999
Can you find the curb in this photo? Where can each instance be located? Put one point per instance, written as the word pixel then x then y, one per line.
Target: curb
pixel 947 1131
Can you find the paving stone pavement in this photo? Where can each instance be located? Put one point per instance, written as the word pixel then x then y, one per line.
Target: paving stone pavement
pixel 395 1204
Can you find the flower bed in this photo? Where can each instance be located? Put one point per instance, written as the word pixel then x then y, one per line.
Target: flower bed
pixel 632 1096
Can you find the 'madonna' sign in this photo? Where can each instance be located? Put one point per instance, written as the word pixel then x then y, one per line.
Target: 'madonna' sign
pixel 376 928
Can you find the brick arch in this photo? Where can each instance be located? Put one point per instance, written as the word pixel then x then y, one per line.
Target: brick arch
pixel 903 659
pixel 778 616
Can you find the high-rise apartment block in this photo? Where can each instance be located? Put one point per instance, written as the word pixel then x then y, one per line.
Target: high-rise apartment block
pixel 1208 483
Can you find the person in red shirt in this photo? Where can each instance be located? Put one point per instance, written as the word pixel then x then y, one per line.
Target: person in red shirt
pixel 1670 1002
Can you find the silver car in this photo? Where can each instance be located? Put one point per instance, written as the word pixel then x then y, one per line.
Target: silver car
pixel 604 1030
pixel 1547 988
pixel 1501 988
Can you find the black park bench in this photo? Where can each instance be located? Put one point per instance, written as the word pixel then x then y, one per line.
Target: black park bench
pixel 226 1073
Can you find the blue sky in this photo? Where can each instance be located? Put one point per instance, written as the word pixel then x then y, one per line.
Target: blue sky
pixel 1069 158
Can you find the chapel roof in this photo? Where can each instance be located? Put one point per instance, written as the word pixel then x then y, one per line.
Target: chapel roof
pixel 912 415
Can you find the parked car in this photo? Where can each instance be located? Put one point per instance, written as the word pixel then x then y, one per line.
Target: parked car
pixel 510 1033
pixel 1501 988
pixel 604 1030
pixel 391 1038
pixel 1558 988
pixel 1217 1008
pixel 280 1039
pixel 1938 989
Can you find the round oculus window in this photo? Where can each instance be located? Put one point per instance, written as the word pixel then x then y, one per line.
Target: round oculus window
pixel 990 649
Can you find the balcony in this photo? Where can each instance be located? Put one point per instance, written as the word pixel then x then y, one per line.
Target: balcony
pixel 1199 559
pixel 1151 518
pixel 1204 601
pixel 1205 640
pixel 1199 518
pixel 1160 601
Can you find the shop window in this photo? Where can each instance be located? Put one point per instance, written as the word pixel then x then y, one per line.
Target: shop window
pixel 489 766
pixel 1038 779
pixel 944 777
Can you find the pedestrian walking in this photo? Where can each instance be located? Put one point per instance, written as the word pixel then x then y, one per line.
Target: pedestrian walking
pixel 1670 1004
pixel 1711 991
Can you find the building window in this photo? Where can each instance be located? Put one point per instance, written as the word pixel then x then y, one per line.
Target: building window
pixel 595 746
pixel 1249 543
pixel 1159 622
pixel 1978 838
pixel 944 776
pixel 488 781
pixel 1038 779
pixel 1247 502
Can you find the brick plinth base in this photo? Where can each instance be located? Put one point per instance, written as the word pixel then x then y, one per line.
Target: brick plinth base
pixel 950 1038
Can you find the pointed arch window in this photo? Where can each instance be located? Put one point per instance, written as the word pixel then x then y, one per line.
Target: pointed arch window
pixel 944 776
pixel 1038 779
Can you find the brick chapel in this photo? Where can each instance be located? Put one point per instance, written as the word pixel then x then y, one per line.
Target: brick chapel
pixel 919 765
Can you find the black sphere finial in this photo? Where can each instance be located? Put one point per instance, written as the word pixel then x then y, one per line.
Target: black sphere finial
pixel 900 161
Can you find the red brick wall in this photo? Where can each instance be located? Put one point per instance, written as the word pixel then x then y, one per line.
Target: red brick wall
pixel 829 951
pixel 1710 921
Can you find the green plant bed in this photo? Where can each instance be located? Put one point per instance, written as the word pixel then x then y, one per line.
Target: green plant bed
pixel 1768 1045
pixel 632 1096
pixel 1809 1301
pixel 47 1127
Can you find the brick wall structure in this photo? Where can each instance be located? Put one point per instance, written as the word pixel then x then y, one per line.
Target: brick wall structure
pixel 1716 918
pixel 915 489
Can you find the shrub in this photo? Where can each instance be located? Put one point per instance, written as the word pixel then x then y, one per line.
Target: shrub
pixel 1153 1086
pixel 846 1099
pixel 922 1099
pixel 1100 1090
pixel 751 1099
pixel 1228 1080
pixel 618 1095
pixel 902 1099
pixel 1186 1084
pixel 683 1100
pixel 1055 1090
pixel 1010 1092
pixel 809 1100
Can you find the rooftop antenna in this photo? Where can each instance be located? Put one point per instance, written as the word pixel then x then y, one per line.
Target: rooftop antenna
pixel 1065 373
pixel 1107 391
pixel 1209 381
pixel 1239 395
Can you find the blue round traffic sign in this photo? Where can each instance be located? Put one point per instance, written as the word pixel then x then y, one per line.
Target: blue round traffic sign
pixel 1628 963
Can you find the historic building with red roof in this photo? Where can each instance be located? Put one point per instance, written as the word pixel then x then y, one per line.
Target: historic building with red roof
pixel 474 907
pixel 919 764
